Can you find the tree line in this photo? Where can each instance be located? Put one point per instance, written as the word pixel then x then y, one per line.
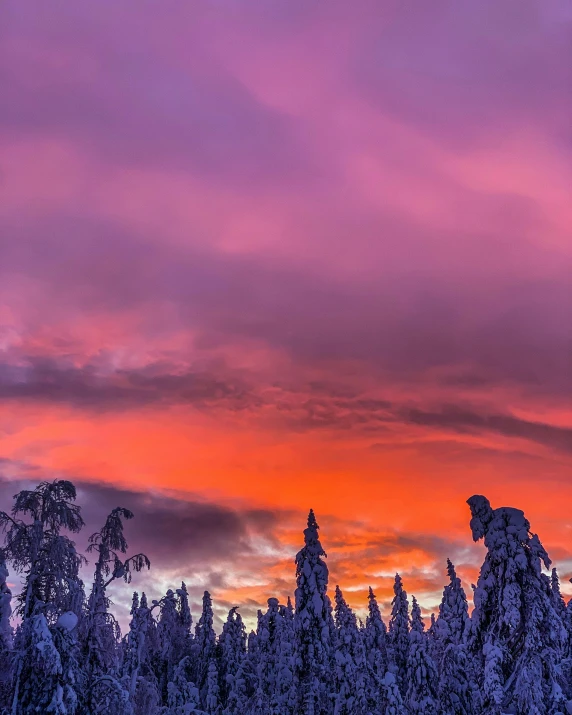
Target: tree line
pixel 64 653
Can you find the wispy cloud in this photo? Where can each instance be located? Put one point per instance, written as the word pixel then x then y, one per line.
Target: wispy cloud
pixel 289 254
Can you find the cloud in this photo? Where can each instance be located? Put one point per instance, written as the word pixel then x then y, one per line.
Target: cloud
pixel 299 407
pixel 207 544
pixel 446 73
pixel 74 265
pixel 172 529
pixel 314 227
pixel 47 380
pixel 143 109
pixel 177 529
pixel 461 420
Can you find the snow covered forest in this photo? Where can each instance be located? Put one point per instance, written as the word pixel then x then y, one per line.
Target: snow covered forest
pixel 64 653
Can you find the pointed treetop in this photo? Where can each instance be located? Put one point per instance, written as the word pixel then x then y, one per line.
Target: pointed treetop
pixel 312 520
pixel 416 620
pixel 313 547
pixel 373 606
pixel 135 602
pixel 554 580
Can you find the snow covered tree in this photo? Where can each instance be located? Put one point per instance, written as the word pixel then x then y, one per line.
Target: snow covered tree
pixel 140 646
pixel 237 697
pixel 185 620
pixel 398 649
pixel 259 660
pixel 422 678
pixel 270 664
pixel 375 640
pixel 212 696
pixel 274 660
pixel 284 695
pixel 52 591
pixel 350 664
pixel 453 621
pixel 37 548
pixel 173 640
pixel 517 635
pixel 6 631
pixel 559 603
pixel 41 686
pixel 430 635
pixel 313 624
pixel 100 630
pixel 568 624
pixel 6 634
pixel 167 657
pixel 391 701
pixel 458 692
pixel 182 694
pixel 232 648
pixel 204 646
pixel 513 656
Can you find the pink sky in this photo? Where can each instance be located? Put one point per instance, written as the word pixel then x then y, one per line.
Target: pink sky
pixel 257 257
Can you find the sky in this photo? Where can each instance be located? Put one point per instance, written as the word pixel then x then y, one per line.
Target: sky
pixel 263 256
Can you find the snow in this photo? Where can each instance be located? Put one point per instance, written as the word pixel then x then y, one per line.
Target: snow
pixel 67 621
pixel 512 654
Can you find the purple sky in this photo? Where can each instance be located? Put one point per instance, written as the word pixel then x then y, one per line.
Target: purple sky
pixel 271 255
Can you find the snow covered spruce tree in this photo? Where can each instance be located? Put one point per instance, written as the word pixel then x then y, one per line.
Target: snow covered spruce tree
pixel 266 654
pixel 284 697
pixel 105 693
pixel 453 621
pixel 166 658
pixel 258 665
pixel 182 695
pixel 46 673
pixel 173 640
pixel 275 660
pixel 421 694
pixel 391 702
pixel 457 692
pixel 398 646
pixel 6 634
pixel 568 623
pixel 313 623
pixel 67 658
pixel 232 650
pixel 350 664
pixel 375 641
pixel 212 702
pixel 517 635
pixel 559 602
pixel 140 646
pixel 204 650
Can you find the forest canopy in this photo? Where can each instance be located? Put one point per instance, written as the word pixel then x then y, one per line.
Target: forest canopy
pixel 63 652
